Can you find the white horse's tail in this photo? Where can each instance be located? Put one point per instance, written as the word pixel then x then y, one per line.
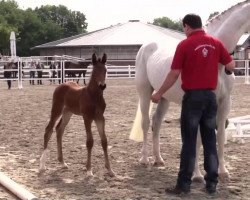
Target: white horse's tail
pixel 142 82
pixel 136 133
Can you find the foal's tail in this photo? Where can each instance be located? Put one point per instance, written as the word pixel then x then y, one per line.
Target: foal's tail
pixel 136 133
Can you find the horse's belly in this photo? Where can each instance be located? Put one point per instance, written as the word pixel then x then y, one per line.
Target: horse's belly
pixel 158 67
pixel 174 94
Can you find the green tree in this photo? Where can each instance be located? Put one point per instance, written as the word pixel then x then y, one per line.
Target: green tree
pixel 168 23
pixel 35 27
pixel 72 22
pixel 9 16
pixel 30 33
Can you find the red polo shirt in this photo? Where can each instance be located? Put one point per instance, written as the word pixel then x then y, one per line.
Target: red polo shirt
pixel 197 57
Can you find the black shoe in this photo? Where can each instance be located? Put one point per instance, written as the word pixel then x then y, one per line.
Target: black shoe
pixel 211 189
pixel 177 190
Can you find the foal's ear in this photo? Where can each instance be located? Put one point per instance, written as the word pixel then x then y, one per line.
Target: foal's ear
pixel 104 58
pixel 94 59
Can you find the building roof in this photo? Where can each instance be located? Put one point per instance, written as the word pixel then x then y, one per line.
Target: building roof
pixel 133 32
pixel 243 39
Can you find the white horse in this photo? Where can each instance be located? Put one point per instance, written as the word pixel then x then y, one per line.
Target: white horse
pixel 152 65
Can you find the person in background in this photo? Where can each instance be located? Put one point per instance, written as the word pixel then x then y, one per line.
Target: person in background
pixel 32 72
pixel 59 72
pixel 7 74
pixel 196 59
pixel 39 67
pixel 53 72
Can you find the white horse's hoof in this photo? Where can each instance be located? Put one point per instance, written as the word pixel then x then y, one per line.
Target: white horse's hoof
pixel 144 161
pixel 159 162
pixel 198 179
pixel 224 177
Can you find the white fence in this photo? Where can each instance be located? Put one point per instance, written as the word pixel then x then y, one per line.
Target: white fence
pixel 25 69
pixel 243 69
pixel 240 127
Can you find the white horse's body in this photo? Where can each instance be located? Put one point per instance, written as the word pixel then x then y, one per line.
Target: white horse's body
pixel 153 62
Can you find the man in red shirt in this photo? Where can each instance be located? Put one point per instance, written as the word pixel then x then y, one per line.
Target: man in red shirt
pixel 196 59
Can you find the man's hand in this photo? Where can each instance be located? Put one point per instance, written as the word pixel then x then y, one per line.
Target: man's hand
pixel 228 72
pixel 168 82
pixel 156 97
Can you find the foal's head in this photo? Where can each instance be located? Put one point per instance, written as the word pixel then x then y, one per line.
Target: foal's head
pixel 99 71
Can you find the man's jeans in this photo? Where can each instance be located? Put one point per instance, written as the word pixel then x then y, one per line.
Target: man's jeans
pixel 199 108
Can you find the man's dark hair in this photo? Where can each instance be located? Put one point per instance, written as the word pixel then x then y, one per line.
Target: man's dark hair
pixel 192 20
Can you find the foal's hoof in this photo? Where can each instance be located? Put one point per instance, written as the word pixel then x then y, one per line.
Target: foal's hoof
pixel 42 169
pixel 111 173
pixel 90 174
pixel 65 165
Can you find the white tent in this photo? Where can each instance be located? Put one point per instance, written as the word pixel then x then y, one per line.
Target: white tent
pixel 13 44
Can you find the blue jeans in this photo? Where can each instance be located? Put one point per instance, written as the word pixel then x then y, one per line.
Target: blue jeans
pixel 199 108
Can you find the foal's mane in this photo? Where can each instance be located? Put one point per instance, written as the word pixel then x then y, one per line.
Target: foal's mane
pixel 221 16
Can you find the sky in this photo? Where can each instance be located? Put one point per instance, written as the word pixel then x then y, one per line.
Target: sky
pixel 104 13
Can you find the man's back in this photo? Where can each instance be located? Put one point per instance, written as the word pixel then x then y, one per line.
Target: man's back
pixel 198 57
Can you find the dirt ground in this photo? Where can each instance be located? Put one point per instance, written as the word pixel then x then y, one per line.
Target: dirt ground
pixel 24 115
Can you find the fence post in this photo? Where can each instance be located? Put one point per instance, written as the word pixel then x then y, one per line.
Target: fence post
pixel 106 72
pixel 20 69
pixel 247 71
pixel 62 71
pixel 129 71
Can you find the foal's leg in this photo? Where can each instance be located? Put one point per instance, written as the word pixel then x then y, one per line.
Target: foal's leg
pixel 100 123
pixel 55 114
pixel 89 144
pixel 59 134
pixel 161 109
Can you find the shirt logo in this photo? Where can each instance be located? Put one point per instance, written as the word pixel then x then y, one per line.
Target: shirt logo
pixel 204 52
pixel 205 49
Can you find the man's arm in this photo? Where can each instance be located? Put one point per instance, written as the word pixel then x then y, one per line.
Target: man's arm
pixel 169 81
pixel 230 66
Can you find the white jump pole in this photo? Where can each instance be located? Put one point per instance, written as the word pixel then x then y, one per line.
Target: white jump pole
pixel 15 188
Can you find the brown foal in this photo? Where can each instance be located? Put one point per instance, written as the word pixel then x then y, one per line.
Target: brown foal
pixel 68 99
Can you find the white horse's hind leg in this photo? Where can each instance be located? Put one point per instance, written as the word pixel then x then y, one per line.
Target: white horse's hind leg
pixel 145 91
pixel 161 109
pixel 144 100
pixel 223 111
pixel 197 176
pixel 145 123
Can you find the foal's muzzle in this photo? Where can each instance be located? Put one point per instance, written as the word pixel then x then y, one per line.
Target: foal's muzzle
pixel 102 86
